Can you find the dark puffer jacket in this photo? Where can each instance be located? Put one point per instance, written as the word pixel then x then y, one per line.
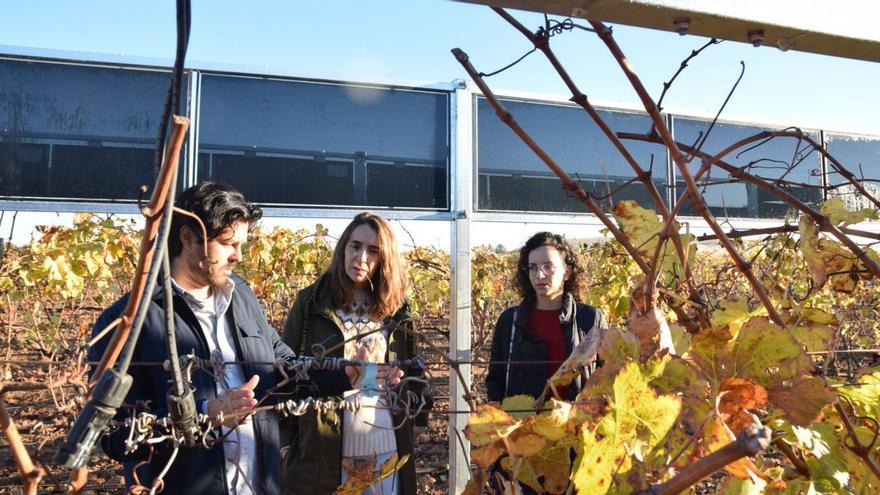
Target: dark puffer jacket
pixel 312 460
pixel 577 321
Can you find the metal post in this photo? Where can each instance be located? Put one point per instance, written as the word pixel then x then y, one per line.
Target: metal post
pixel 462 177
pixel 671 171
pixel 823 166
pixel 189 173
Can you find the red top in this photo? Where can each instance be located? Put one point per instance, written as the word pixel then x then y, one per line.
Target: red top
pixel 544 325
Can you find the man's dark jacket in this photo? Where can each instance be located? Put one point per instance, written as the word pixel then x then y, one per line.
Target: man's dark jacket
pixel 199 470
pixel 576 320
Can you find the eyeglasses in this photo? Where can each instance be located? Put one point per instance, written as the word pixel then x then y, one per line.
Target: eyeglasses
pixel 547 269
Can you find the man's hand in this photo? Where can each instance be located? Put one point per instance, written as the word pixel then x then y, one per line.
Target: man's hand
pixel 234 404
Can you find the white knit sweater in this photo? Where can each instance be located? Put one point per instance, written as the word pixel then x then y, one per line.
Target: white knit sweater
pixel 369 430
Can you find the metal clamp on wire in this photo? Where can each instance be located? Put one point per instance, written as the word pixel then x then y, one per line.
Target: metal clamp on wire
pixel 299 366
pixel 94 419
pixel 182 412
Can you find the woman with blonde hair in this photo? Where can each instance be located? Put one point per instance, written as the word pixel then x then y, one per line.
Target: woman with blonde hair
pixel 360 300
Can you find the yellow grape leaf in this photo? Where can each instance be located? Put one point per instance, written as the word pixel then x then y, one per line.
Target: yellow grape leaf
pixel 586 409
pixel 802 399
pixel 521 469
pixel 554 465
pixel 638 410
pixel 825 258
pixel 865 393
pixel 487 424
pixel 486 455
pixel 809 244
pixel 552 425
pixel 519 406
pixel 582 355
pixel 597 462
pixel 733 312
pixel 766 353
pixel 637 415
pixel 681 340
pixel 832 464
pixel 837 213
pixel 710 352
pixel 524 442
pixel 736 486
pixel 618 348
pixel 392 465
pixel 642 227
pixel 681 377
pixel 814 337
pixel 736 398
pixel 815 315
pixel 362 474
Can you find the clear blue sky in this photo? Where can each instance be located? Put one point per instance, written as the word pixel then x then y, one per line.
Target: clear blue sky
pixel 409 40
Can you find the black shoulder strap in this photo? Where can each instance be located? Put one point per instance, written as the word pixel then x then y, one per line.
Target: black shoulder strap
pixel 510 348
pixel 304 333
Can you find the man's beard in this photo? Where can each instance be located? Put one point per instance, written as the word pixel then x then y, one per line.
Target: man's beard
pixel 213 274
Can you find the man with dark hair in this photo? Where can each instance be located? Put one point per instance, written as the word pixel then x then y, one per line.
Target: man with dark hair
pixel 218 318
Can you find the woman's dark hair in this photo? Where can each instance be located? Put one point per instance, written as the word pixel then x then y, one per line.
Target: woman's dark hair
pixel 217 205
pixel 573 285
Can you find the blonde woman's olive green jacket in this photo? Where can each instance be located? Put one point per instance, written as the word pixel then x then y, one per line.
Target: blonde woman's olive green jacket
pixel 312 443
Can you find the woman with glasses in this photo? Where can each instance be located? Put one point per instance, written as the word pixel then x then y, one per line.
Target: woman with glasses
pixel 531 340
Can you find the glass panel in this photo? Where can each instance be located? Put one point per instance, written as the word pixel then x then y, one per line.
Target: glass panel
pixel 861 156
pixel 424 180
pixel 277 180
pixel 786 162
pixel 77 132
pixel 511 177
pixel 297 143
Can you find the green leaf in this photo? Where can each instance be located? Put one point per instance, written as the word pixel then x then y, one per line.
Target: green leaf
pixel 865 393
pixel 837 213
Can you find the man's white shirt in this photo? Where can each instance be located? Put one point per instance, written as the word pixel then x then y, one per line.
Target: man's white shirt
pixel 239 445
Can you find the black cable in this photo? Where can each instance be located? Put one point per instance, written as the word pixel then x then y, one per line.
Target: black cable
pixel 183 31
pixel 170 331
pixel 183 26
pixel 147 297
pixel 172 97
pixel 114 383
